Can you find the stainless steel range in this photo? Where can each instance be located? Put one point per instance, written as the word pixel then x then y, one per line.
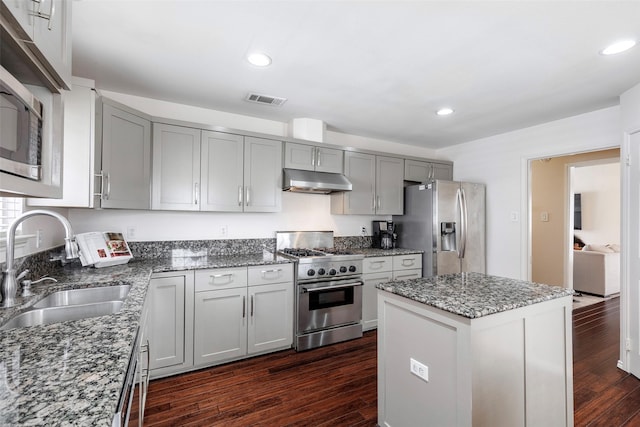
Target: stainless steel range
pixel 328 288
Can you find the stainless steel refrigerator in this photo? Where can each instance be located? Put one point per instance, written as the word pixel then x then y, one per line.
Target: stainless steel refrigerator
pixel 445 219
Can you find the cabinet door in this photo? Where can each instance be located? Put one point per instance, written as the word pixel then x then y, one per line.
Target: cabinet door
pixel 270 317
pixel 221 172
pixel 329 160
pixel 299 156
pixel 22 13
pixel 52 37
pixel 361 170
pixel 220 330
pixel 126 159
pixel 415 170
pixel 262 175
pixel 389 186
pixel 166 322
pixel 176 168
pixel 442 171
pixel 370 298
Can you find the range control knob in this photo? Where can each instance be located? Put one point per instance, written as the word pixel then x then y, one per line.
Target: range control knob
pixel 311 272
pixel 332 272
pixel 352 268
pixel 321 272
pixel 343 269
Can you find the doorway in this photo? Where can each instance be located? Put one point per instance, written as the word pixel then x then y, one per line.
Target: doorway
pixel 551 215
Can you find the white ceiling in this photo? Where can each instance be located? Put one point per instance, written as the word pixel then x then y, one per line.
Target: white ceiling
pixel 371 68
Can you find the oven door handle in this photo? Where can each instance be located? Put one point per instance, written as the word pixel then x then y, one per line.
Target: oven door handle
pixel 328 288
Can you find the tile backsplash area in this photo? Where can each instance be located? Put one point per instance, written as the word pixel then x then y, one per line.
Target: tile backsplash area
pixel 43 263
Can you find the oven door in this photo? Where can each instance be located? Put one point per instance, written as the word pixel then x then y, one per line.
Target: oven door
pixel 323 305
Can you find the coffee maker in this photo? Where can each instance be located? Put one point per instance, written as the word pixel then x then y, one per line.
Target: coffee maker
pixel 384 234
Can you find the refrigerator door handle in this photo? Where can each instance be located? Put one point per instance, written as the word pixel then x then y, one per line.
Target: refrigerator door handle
pixel 462 203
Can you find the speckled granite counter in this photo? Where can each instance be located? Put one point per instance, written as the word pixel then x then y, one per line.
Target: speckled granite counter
pixel 373 252
pixel 474 295
pixel 71 373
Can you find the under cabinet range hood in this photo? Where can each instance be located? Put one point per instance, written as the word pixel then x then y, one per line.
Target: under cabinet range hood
pixel 301 181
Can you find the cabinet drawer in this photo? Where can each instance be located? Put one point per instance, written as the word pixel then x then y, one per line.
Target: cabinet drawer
pixel 407 274
pixel 377 264
pixel 221 278
pixel 273 273
pixel 407 262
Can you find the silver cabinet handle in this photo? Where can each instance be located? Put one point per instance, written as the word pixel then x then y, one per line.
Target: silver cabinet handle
pixel 378 202
pixel 247 192
pixel 313 156
pixel 244 307
pixel 373 203
pixel 107 178
pixel 213 277
pixel 101 176
pixel 239 195
pixel 251 305
pixel 407 262
pixel 49 16
pixel 195 193
pixel 318 156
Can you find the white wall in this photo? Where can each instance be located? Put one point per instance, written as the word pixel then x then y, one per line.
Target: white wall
pixel 299 212
pixel 599 186
pixel 501 162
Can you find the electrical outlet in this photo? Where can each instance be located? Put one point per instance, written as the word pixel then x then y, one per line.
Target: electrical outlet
pixel 419 370
pixel 515 216
pixel 131 233
pixel 224 230
pixel 39 236
pixel 363 230
pixel 544 216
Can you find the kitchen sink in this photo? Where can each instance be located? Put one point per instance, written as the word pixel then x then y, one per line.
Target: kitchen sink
pixel 84 296
pixel 45 316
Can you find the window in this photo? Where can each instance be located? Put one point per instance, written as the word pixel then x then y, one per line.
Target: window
pixel 10 208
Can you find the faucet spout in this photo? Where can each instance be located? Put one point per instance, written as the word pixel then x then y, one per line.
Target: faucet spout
pixel 9 285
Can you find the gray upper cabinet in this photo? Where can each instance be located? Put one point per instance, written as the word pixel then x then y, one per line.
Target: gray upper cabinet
pixel 125 159
pixel 418 171
pixel 43 29
pixel 308 157
pixel 176 168
pixel 360 168
pixel 214 171
pixel 262 175
pixel 377 186
pixel 389 186
pixel 222 172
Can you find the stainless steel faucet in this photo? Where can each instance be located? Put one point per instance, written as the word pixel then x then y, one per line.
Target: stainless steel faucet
pixel 9 283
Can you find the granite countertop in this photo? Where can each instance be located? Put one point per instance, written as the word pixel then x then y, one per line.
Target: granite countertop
pixel 71 373
pixel 373 252
pixel 474 295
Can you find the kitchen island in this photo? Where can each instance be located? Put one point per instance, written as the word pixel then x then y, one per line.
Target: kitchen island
pixel 72 373
pixel 471 349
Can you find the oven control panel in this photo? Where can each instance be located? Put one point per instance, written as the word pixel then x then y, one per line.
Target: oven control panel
pixel 328 269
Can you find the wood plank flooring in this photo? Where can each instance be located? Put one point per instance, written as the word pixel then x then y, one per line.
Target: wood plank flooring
pixel 336 385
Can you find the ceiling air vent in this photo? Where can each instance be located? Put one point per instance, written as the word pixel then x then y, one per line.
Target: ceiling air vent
pixel 265 99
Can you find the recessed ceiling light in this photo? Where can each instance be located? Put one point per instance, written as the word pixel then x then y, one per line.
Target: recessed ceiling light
pixel 259 59
pixel 444 111
pixel 618 47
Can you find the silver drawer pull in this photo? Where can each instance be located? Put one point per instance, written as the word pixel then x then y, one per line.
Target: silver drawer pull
pixel 408 262
pixel 217 276
pixel 407 275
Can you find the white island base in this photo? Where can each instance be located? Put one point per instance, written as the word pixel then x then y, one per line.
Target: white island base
pixel 512 368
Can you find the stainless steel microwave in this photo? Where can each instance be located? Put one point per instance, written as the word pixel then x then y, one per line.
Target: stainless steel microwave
pixel 20 129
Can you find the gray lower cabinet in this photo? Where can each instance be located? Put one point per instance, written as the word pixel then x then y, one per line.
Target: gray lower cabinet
pixel 170 324
pixel 197 170
pixel 378 186
pixel 418 171
pixel 383 269
pixel 241 312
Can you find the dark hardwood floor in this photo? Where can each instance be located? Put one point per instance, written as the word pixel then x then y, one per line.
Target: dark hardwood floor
pixel 336 385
